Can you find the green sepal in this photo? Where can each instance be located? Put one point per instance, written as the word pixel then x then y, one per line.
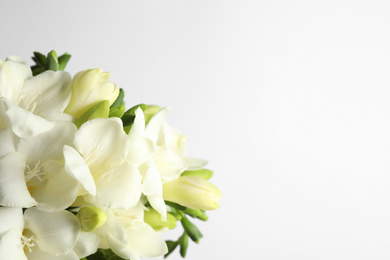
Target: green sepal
pixel 117 111
pixel 129 116
pixel 203 173
pixel 119 100
pixel 196 213
pixel 178 214
pixel 171 247
pixel 191 230
pixel 99 110
pixel 40 59
pixel 183 241
pixel 149 112
pixel 36 69
pixel 63 60
pixel 52 61
pixel 175 205
pixel 153 218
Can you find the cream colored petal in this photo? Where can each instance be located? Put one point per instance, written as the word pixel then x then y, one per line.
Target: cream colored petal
pixel 55 232
pixel 87 244
pixel 112 227
pixel 78 169
pixel 37 254
pixel 169 164
pixel 121 249
pixel 138 126
pixel 11 218
pixel 11 245
pixel 140 150
pixel 153 128
pixel 195 164
pixel 8 141
pixel 47 93
pixel 121 188
pixel 24 123
pixel 58 191
pixel 13 189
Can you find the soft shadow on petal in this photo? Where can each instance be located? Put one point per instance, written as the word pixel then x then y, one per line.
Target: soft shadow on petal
pixel 78 169
pixel 169 164
pixel 141 149
pixel 11 245
pixel 55 232
pixel 13 72
pixel 37 254
pixel 11 218
pixel 195 164
pixel 13 188
pixel 49 91
pixel 24 123
pixel 120 188
pixel 153 128
pixel 87 244
pixel 59 190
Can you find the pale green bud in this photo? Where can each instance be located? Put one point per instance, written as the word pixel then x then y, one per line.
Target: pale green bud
pixel 91 218
pixel 99 110
pixel 203 173
pixel 193 192
pixel 153 218
pixel 88 88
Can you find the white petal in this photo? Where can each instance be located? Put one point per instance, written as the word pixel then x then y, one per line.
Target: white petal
pixel 13 72
pixel 195 164
pixel 158 204
pixel 24 123
pixel 145 241
pixel 8 141
pixel 141 149
pixel 87 244
pixel 49 92
pixel 49 144
pixel 153 128
pixel 13 189
pixel 122 249
pixel 103 142
pixel 151 184
pixel 78 169
pixel 11 245
pixel 113 227
pixel 11 218
pixel 138 126
pixel 169 164
pixel 59 190
pixel 55 232
pixel 37 254
pixel 121 188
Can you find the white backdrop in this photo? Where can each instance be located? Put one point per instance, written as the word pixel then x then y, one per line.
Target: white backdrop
pixel 288 100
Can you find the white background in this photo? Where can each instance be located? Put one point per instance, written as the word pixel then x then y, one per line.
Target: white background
pixel 288 100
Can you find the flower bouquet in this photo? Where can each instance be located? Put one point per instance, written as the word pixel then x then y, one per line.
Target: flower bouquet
pixel 81 177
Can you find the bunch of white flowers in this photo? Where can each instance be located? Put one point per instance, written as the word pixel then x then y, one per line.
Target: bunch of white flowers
pixel 81 177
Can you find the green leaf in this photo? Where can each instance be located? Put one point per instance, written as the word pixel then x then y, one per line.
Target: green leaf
pixel 99 110
pixel 37 70
pixel 119 100
pixel 129 116
pixel 171 247
pixel 117 111
pixel 196 213
pixel 40 59
pixel 203 173
pixel 52 61
pixel 63 60
pixel 191 230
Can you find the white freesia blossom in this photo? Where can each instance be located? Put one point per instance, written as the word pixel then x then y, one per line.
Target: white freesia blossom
pixel 105 161
pixel 29 105
pixel 168 161
pixel 129 236
pixel 38 173
pixel 38 235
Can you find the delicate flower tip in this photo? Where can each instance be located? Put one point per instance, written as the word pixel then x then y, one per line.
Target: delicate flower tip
pixel 91 218
pixel 193 192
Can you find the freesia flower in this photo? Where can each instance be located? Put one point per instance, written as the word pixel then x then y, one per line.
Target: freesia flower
pixel 88 88
pixel 38 235
pixel 129 236
pixel 30 105
pixel 105 162
pixel 38 176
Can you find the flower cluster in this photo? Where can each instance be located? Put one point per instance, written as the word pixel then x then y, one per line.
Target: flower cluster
pixel 81 176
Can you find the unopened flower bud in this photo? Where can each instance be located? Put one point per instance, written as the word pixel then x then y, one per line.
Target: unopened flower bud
pixel 193 192
pixel 91 218
pixel 88 88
